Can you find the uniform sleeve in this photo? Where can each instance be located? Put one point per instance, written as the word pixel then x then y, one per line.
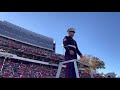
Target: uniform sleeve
pixel 78 52
pixel 65 43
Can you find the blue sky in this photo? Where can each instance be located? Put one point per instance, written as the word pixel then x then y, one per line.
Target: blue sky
pixel 97 33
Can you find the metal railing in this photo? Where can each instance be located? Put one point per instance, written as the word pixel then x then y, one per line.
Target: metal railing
pixel 75 65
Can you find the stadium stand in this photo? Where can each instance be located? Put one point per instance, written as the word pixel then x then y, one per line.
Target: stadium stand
pixel 25 54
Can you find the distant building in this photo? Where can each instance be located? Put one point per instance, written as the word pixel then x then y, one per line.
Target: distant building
pixel 110 75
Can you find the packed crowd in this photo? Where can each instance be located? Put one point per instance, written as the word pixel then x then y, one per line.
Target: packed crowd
pixel 30 49
pixel 86 74
pixel 98 76
pixel 13 68
pixel 21 69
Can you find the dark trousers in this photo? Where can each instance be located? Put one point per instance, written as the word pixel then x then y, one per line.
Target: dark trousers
pixel 70 70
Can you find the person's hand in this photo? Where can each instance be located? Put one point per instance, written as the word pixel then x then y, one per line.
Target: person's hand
pixel 81 56
pixel 71 52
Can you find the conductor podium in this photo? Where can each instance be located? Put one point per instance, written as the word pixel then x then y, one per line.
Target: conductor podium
pixel 75 61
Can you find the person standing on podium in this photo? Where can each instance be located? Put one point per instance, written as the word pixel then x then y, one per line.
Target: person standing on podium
pixel 71 51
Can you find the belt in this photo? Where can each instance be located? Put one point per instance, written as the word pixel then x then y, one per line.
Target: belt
pixel 72 46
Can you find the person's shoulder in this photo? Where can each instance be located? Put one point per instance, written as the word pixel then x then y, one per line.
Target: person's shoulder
pixel 65 38
pixel 74 40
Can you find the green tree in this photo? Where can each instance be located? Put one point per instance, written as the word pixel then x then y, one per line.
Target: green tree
pixel 94 62
pixel 99 63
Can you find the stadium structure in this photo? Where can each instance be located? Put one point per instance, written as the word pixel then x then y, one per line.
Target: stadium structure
pixel 26 54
